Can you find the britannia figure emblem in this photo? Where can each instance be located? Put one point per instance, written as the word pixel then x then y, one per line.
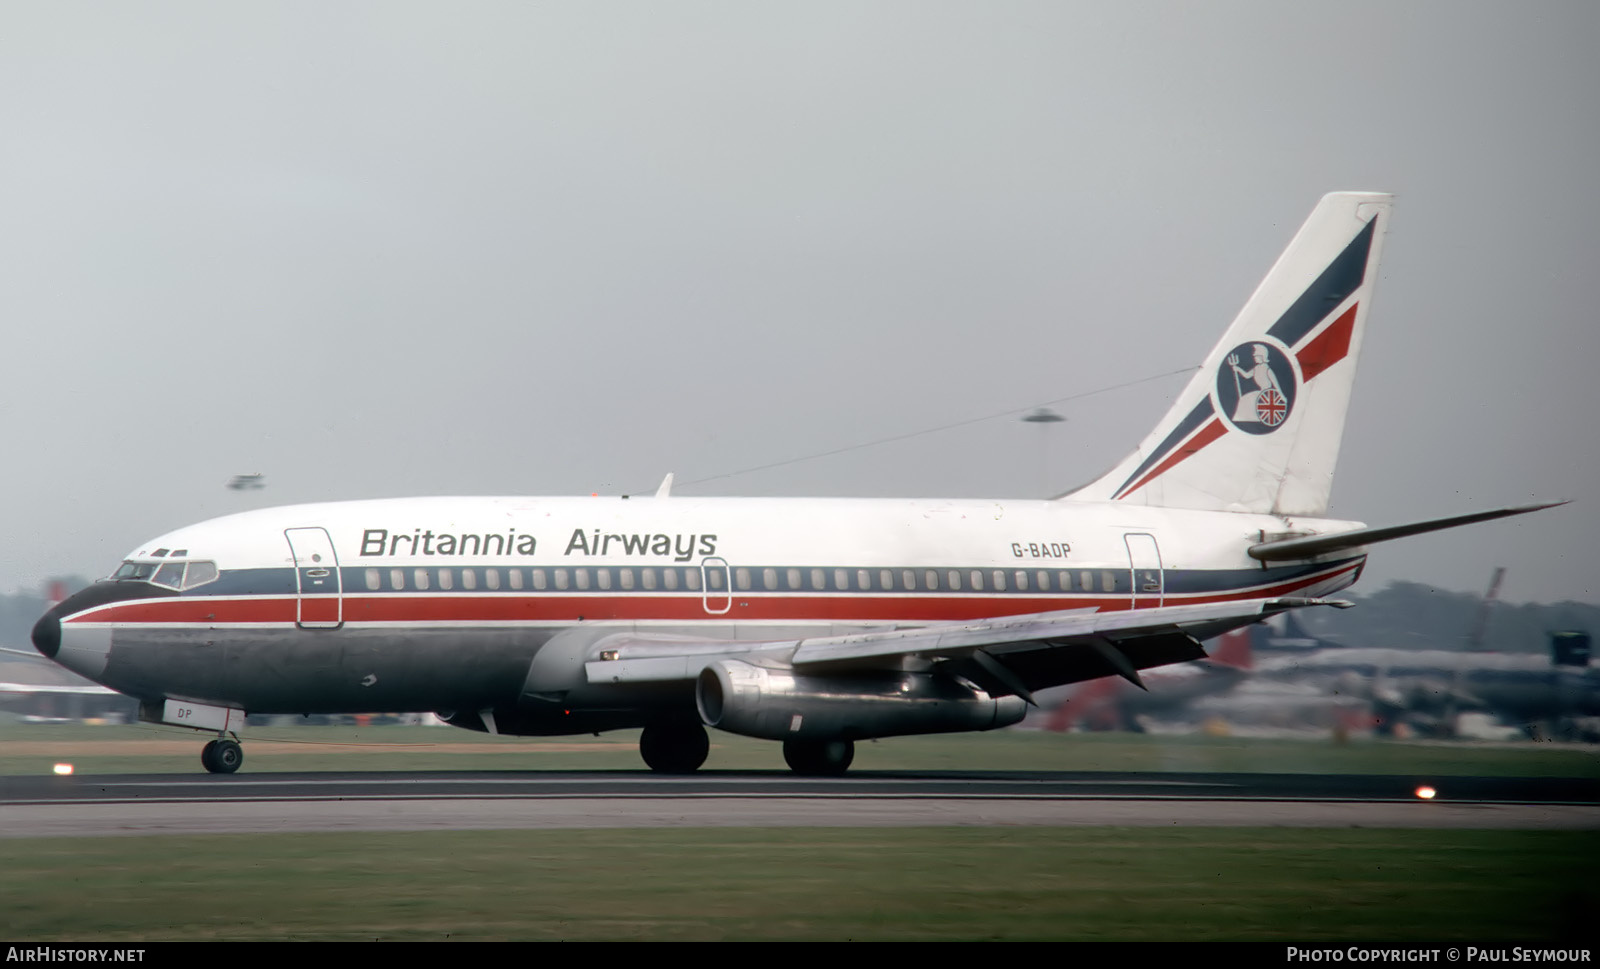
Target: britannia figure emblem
pixel 1257 398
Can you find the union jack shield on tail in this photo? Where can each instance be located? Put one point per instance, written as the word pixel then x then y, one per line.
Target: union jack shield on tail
pixel 1271 408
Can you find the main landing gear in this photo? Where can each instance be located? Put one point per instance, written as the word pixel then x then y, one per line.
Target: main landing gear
pixel 680 747
pixel 222 756
pixel 819 758
pixel 677 747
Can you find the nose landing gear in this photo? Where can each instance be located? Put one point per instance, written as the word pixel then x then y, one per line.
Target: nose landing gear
pixel 222 756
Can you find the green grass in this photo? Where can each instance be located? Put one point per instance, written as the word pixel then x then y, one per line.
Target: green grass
pixel 33 749
pixel 1290 885
pixel 885 884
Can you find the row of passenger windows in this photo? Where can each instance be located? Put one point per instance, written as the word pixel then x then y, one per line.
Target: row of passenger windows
pixel 768 579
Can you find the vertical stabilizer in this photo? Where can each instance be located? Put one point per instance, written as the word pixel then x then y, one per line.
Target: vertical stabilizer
pixel 1258 427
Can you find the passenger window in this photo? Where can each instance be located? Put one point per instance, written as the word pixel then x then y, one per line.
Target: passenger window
pixel 1066 581
pixel 420 578
pixel 769 579
pixel 397 578
pixel 931 580
pixel 886 579
pixel 1044 581
pixel 909 577
pixel 1086 581
pixel 669 578
pixel 602 578
pixel 999 580
pixel 955 581
pixel 1022 581
pixel 794 578
pixel 374 579
pixel 446 579
pixel 491 578
pixel 625 578
pixel 648 577
pixel 561 579
pixel 714 580
pixel 841 579
pixel 742 576
pixel 469 578
pixel 514 576
pixel 580 579
pixel 863 580
pixel 819 580
pixel 691 579
pixel 977 580
pixel 1108 582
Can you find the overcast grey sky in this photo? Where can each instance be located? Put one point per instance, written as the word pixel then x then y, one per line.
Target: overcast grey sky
pixel 376 249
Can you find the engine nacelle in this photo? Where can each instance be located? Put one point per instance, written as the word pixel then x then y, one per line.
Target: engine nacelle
pixel 778 704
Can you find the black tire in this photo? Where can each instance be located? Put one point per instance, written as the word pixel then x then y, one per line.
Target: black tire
pixel 226 757
pixel 208 756
pixel 819 758
pixel 674 748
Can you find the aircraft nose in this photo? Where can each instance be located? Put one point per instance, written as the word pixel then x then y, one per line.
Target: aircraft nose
pixel 47 634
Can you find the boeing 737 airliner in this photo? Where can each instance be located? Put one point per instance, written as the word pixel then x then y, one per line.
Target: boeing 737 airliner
pixel 813 622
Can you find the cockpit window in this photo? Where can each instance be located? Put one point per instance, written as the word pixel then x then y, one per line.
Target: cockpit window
pixel 171 575
pixel 199 574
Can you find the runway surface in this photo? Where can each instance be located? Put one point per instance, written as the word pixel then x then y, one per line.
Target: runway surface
pixel 189 804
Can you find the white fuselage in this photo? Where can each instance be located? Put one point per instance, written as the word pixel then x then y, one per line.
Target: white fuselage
pixel 443 603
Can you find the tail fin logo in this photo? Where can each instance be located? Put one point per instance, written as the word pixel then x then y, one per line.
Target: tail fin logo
pixel 1256 387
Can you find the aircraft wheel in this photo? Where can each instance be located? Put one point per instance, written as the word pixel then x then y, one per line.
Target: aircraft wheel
pixel 819 758
pixel 222 756
pixel 674 748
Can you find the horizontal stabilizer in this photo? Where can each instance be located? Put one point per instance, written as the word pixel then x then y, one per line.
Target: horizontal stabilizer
pixel 1304 548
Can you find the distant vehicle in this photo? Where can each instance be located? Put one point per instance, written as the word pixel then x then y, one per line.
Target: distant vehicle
pixel 813 622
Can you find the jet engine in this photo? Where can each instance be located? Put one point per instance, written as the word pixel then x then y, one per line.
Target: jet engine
pixel 780 704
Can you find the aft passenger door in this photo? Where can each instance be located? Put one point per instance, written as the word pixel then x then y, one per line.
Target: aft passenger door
pixel 1147 583
pixel 316 577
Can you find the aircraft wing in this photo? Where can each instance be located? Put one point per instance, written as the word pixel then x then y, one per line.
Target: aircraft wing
pixel 80 688
pixel 1009 655
pixel 34 689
